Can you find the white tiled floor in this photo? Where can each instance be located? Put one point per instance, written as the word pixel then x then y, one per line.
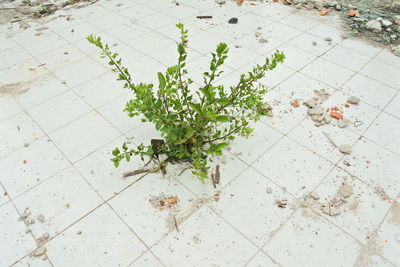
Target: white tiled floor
pixel 61 116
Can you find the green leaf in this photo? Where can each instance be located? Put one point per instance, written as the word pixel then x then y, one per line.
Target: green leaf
pixel 116 152
pixel 190 133
pixel 161 80
pixel 181 141
pixel 222 118
pixel 196 107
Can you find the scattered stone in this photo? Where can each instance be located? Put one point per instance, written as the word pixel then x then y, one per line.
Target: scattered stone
pixel 39 251
pixel 328 39
pixel 374 25
pixel 329 210
pixel 79 233
pixel 46 236
pixel 327 119
pixel 316 111
pixel 396 50
pixel 26 144
pixel 233 21
pixel 342 123
pixel 25 214
pixel 40 218
pixel 220 2
pixel 263 40
pixel 386 22
pixel 353 13
pixel 345 149
pixel 282 203
pixel 257 34
pixel 314 43
pixel 269 190
pixel 311 103
pixel 346 190
pixel 314 195
pixel 353 100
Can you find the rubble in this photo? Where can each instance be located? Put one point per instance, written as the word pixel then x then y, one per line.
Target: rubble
pixel 373 25
pixel 374 19
pixel 345 149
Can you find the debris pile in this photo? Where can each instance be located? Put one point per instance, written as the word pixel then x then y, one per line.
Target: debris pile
pixel 375 19
pixel 163 202
pixel 324 116
pixel 333 206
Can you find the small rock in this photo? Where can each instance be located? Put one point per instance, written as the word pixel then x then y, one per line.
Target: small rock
pixel 396 50
pixel 345 149
pixel 314 195
pixel 311 103
pixel 233 21
pixel 269 190
pixel 346 190
pixel 298 6
pixel 39 251
pixel 327 119
pixel 328 39
pixel 257 34
pixel 386 22
pixel 26 144
pixel 40 218
pixel 220 2
pixel 338 7
pixel 342 123
pixel 282 203
pixel 314 43
pixel 315 111
pixel 374 25
pixel 353 100
pixel 331 211
pixel 79 233
pixel 263 40
pixel 334 211
pixel 25 214
pixel 309 6
pixel 46 236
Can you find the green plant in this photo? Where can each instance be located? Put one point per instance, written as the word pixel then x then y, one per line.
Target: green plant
pixel 193 124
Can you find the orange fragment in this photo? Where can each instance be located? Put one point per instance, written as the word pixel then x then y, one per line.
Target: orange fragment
pixel 252 4
pixel 240 1
pixel 296 105
pixel 336 115
pixel 353 12
pixel 328 109
pixel 323 12
pixel 24 161
pixel 172 200
pixel 335 108
pixel 275 1
pixel 346 105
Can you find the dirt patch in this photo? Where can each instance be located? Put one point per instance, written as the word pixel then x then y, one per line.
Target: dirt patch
pixel 372 248
pixel 394 215
pixel 13 89
pixel 22 11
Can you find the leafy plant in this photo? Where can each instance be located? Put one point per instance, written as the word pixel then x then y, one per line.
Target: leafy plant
pixel 193 124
